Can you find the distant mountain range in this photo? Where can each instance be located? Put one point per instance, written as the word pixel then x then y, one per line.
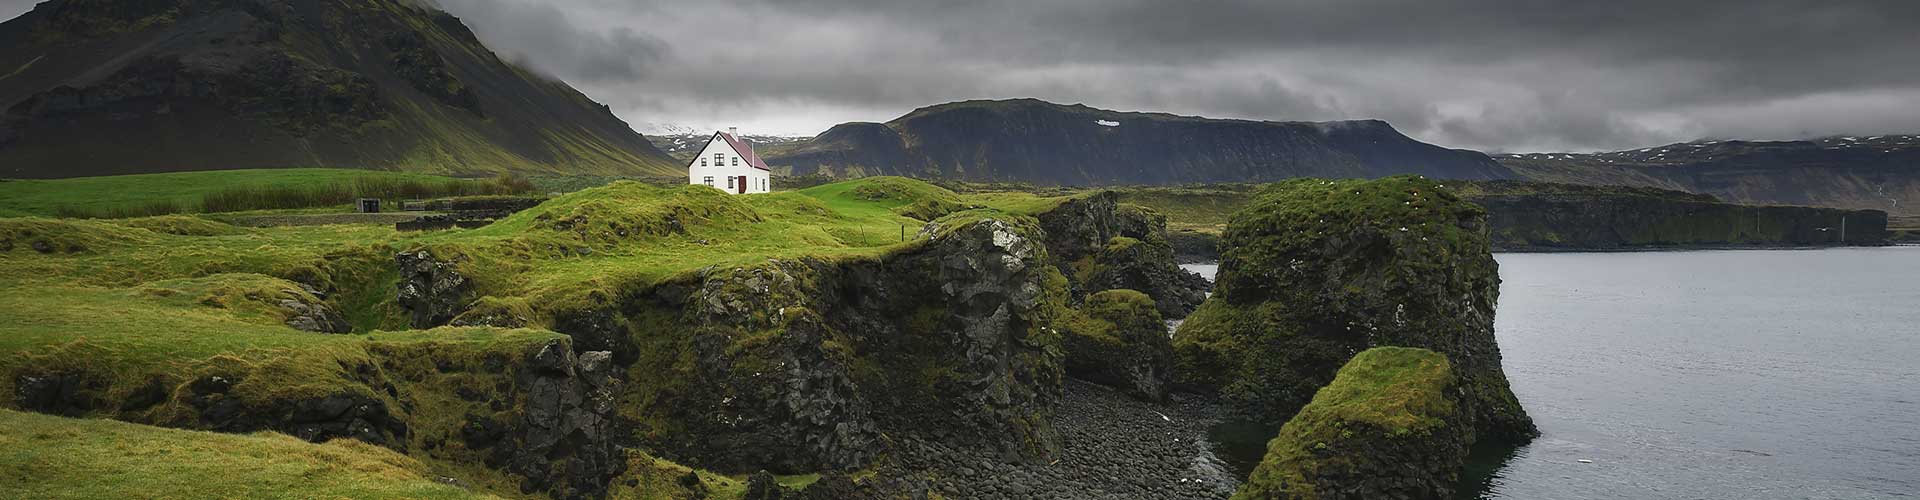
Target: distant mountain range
pixel 1877 172
pixel 98 87
pixel 683 144
pixel 1040 142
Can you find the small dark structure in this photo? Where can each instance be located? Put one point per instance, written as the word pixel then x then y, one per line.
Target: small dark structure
pixel 367 205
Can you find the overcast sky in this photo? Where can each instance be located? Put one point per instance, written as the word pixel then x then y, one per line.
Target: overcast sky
pixel 1483 74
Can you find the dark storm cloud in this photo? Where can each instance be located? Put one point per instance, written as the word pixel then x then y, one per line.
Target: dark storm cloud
pixel 1496 75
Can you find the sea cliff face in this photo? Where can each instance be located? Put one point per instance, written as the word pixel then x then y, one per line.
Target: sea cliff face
pixel 1314 271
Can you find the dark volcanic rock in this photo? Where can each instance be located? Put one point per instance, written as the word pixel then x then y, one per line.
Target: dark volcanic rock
pixel 1044 143
pixel 1315 271
pixel 564 440
pixel 1100 244
pixel 1120 340
pixel 1389 426
pixel 1112 446
pixel 432 290
pixel 800 365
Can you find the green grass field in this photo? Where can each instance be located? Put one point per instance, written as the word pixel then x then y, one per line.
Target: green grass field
pixel 59 458
pixel 185 190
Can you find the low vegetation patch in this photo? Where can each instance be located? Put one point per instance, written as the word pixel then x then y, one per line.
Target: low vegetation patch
pixel 50 457
pixel 232 190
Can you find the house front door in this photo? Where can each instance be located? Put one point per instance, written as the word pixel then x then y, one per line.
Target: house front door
pixel 742 184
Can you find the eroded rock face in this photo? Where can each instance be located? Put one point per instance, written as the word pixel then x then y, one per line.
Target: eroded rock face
pixel 1099 244
pixel 1122 342
pixel 564 441
pixel 1315 271
pixel 344 414
pixel 801 365
pixel 432 290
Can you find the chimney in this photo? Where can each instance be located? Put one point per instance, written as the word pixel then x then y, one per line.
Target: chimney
pixel 734 131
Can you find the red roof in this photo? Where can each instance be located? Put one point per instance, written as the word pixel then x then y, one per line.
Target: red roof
pixel 745 150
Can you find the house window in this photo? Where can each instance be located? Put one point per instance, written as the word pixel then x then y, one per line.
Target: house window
pixel 703 162
pixel 729 183
pixel 736 161
pixel 709 180
pixel 719 159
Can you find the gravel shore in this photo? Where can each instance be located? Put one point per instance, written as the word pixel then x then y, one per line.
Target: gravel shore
pixel 1112 447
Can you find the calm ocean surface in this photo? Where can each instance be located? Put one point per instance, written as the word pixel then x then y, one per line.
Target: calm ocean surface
pixel 1731 374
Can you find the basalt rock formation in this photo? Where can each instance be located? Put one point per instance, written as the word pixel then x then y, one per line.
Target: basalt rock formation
pixel 221 84
pixel 1117 338
pixel 1314 271
pixel 1101 244
pixel 1388 426
pixel 802 364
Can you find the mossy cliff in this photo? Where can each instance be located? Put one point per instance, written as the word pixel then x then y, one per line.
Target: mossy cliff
pixel 588 346
pixel 747 352
pixel 1315 271
pixel 1117 338
pixel 1388 426
pixel 1101 244
pixel 797 365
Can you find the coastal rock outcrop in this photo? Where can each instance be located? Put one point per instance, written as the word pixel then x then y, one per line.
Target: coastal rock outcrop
pixel 1117 338
pixel 1100 244
pixel 1315 271
pixel 802 364
pixel 1389 426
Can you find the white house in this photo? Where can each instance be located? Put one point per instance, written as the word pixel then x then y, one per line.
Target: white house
pixel 728 163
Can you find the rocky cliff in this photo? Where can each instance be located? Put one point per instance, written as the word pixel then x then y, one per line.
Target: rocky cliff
pixel 1861 173
pixel 1100 244
pixel 1388 426
pixel 1540 216
pixel 100 87
pixel 1314 271
pixel 1045 143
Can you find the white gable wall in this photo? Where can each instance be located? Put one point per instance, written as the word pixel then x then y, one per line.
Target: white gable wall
pixel 705 169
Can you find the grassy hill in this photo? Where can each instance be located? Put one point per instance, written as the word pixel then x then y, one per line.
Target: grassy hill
pixel 103 87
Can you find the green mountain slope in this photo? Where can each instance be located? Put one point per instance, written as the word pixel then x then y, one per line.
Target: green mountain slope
pixel 1045 143
pixel 1878 173
pixel 99 87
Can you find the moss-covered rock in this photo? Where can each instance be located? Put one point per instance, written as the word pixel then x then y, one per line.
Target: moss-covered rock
pixel 1389 426
pixel 1316 270
pixel 797 365
pixel 1099 244
pixel 1117 338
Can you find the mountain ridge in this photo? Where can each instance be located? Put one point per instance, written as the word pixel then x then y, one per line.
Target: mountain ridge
pixel 1037 141
pixel 102 87
pixel 1875 172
